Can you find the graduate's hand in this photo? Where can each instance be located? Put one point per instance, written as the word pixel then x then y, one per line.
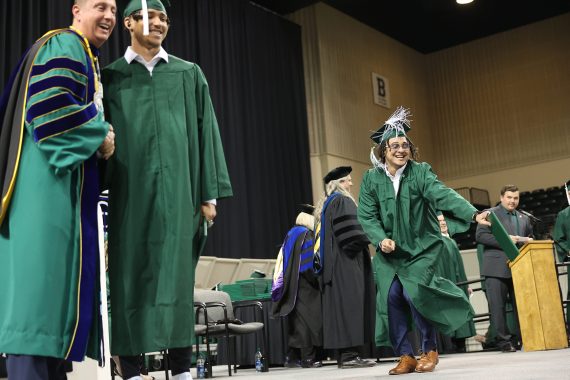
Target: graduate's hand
pixel 515 239
pixel 108 147
pixel 209 212
pixel 387 245
pixel 482 218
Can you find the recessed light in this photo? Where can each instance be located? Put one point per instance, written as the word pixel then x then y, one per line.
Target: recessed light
pixel 462 2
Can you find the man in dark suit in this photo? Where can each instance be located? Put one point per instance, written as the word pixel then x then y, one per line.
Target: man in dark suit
pixel 497 273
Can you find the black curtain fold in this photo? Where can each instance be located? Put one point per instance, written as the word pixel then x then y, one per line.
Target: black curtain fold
pixel 253 62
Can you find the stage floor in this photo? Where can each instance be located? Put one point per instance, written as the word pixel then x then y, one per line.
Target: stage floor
pixel 538 365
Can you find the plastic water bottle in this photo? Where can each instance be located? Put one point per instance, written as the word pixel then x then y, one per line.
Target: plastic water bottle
pixel 200 366
pixel 258 361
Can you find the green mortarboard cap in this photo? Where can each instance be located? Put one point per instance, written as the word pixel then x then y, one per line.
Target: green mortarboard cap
pixel 136 5
pixel 337 173
pixel 397 125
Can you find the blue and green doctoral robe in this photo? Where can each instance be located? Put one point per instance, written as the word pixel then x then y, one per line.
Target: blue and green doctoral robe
pixel 48 233
pixel 168 160
pixel 410 220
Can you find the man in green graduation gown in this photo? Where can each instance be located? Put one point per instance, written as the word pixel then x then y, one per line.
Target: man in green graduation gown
pixel 561 236
pixel 397 209
pixel 52 127
pixel 168 171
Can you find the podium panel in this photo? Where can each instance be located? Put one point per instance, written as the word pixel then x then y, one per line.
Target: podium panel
pixel 538 296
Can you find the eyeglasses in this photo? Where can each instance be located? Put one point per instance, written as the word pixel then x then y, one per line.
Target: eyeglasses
pixel 396 146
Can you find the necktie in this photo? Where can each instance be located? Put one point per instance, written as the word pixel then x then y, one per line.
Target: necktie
pixel 515 222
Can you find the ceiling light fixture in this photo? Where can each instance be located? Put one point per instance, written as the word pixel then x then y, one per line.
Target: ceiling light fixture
pixel 462 2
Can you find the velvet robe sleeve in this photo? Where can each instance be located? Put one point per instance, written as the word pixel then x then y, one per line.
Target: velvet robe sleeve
pixel 64 123
pixel 346 228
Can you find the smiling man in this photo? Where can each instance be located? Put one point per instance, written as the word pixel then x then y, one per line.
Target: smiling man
pixel 498 280
pixel 54 122
pixel 397 210
pixel 168 171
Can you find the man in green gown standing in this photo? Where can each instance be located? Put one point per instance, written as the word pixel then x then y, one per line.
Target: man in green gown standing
pixel 52 127
pixel 397 210
pixel 168 171
pixel 561 236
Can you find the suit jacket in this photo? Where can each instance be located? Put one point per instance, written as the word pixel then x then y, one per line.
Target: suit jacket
pixel 494 259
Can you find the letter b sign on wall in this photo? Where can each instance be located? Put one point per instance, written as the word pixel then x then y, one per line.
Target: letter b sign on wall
pixel 381 90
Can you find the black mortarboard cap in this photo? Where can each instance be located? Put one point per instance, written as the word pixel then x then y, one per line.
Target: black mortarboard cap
pixel 337 173
pixel 306 208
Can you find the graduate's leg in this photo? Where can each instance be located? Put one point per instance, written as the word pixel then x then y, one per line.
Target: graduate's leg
pixel 130 366
pixel 180 360
pixel 57 368
pixel 428 332
pixel 398 311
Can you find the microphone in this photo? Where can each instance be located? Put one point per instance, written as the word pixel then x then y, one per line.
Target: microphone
pixel 529 215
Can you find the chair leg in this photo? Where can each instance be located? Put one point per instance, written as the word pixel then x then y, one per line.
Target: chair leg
pixel 228 353
pixel 234 340
pixel 209 361
pixel 197 352
pixel 266 349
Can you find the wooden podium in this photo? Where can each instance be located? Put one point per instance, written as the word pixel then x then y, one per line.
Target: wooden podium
pixel 538 297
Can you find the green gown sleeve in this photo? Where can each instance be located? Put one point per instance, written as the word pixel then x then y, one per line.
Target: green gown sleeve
pixel 215 179
pixel 369 212
pixel 457 210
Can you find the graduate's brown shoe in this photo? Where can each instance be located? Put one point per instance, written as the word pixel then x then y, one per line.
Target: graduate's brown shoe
pixel 406 364
pixel 427 362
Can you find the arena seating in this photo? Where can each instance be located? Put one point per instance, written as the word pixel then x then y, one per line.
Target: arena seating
pixel 544 204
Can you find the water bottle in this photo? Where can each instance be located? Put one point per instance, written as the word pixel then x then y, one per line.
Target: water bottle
pixel 258 361
pixel 200 367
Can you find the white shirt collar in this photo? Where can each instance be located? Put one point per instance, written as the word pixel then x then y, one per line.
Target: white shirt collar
pixel 396 177
pixel 398 173
pixel 131 55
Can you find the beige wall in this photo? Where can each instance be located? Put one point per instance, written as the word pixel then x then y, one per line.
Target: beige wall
pixel 479 109
pixel 503 101
pixel 340 55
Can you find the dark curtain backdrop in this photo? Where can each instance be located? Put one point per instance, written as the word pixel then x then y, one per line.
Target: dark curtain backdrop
pixel 253 62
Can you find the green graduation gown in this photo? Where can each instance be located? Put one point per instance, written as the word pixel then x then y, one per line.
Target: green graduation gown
pixel 48 251
pixel 410 220
pixel 168 160
pixel 451 267
pixel 561 236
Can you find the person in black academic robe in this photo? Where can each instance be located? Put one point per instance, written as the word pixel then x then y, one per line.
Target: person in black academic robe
pixel 346 278
pixel 300 298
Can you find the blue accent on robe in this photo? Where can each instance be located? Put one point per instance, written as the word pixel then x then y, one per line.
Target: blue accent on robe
pixel 57 81
pixel 321 254
pixel 58 63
